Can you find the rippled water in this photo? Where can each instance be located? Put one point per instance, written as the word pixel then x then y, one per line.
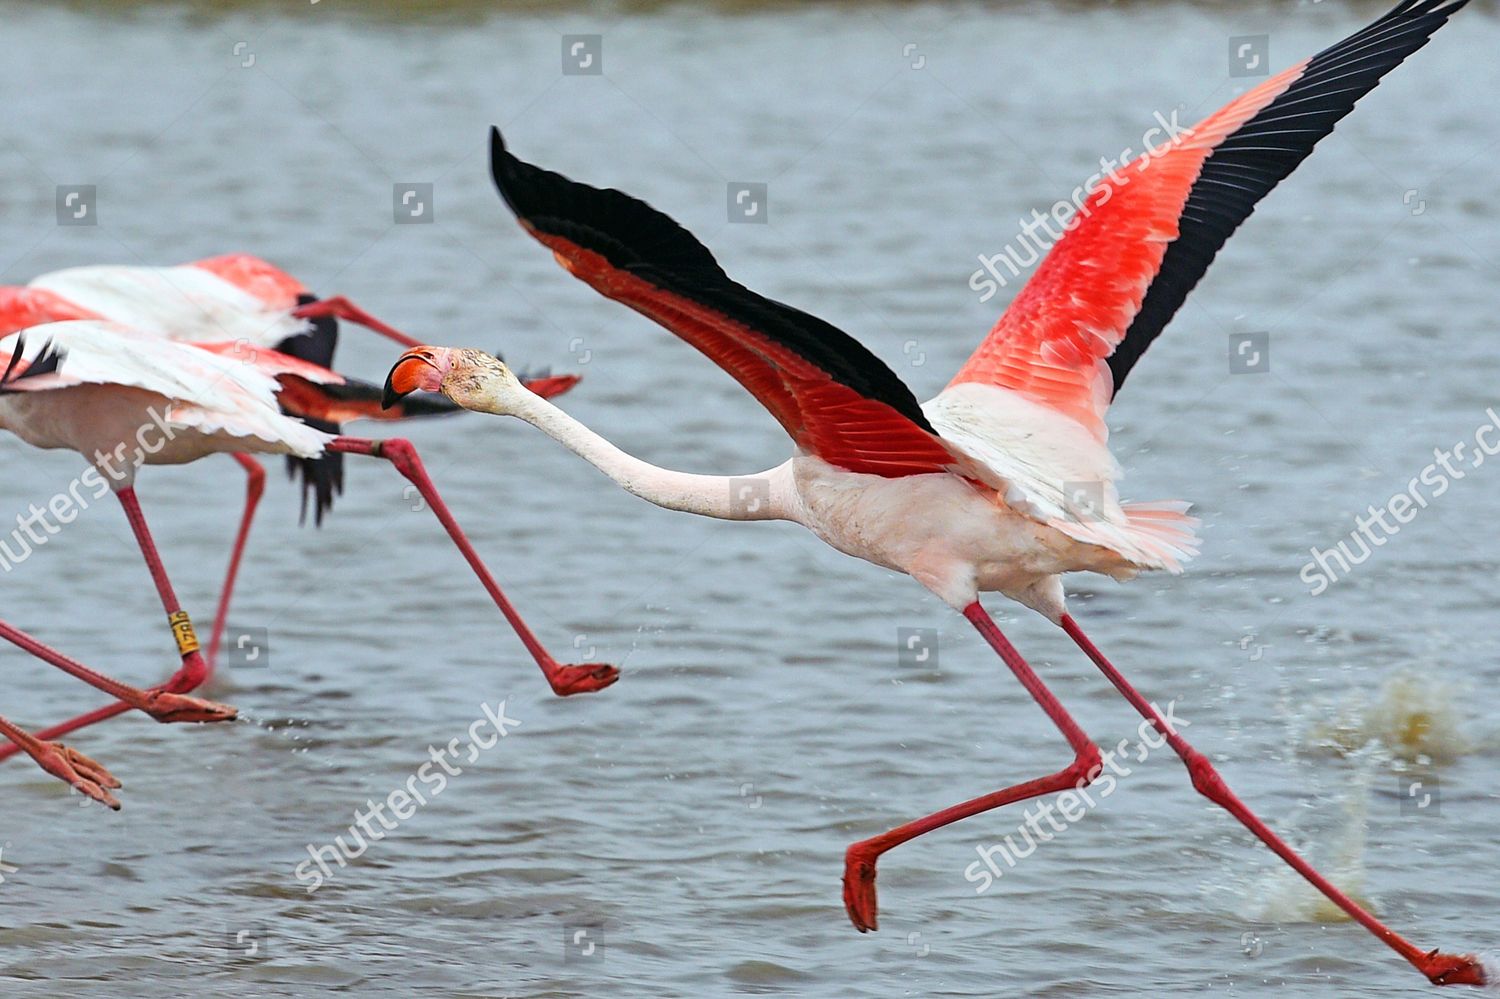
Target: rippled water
pixel 698 811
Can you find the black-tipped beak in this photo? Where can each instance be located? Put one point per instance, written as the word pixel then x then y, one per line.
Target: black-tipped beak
pixel 389 396
pixel 406 377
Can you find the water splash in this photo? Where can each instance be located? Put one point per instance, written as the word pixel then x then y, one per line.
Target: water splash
pixel 1281 895
pixel 1415 719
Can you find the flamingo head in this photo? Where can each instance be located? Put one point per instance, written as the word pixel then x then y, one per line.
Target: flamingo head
pixel 472 378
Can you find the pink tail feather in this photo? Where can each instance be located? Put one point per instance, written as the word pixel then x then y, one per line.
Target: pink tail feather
pixel 1163 531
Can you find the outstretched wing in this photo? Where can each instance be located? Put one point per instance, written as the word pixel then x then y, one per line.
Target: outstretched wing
pixel 1146 234
pixel 836 399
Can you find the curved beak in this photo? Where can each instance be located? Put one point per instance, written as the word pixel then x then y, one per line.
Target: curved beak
pixel 421 368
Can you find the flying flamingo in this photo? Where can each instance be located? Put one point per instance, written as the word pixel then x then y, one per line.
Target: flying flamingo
pixel 240 298
pixel 965 493
pixel 124 399
pixel 64 763
pixel 250 303
pixel 123 391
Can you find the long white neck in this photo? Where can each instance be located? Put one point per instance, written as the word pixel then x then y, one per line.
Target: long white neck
pixel 763 496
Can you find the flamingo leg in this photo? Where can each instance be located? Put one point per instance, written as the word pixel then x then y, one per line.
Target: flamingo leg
pixel 67 765
pixel 564 679
pixel 255 487
pixel 157 704
pixel 860 858
pixel 167 696
pixel 1440 969
pixel 341 308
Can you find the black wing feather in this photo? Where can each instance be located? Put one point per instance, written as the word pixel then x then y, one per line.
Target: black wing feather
pixel 638 239
pixel 48 361
pixel 322 477
pixel 1263 151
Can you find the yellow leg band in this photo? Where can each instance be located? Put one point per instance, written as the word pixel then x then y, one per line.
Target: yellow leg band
pixel 182 630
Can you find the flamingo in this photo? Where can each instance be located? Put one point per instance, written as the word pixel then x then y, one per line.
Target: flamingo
pixel 966 492
pixel 206 399
pixel 245 300
pixel 63 762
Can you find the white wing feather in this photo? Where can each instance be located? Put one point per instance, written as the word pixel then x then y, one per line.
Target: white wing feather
pixel 209 392
pixel 186 302
pixel 1056 471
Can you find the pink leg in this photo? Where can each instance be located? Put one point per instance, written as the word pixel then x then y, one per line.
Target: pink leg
pixel 193 670
pixel 1440 969
pixel 564 679
pixel 255 487
pixel 67 765
pixel 164 708
pixel 341 308
pixel 860 858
